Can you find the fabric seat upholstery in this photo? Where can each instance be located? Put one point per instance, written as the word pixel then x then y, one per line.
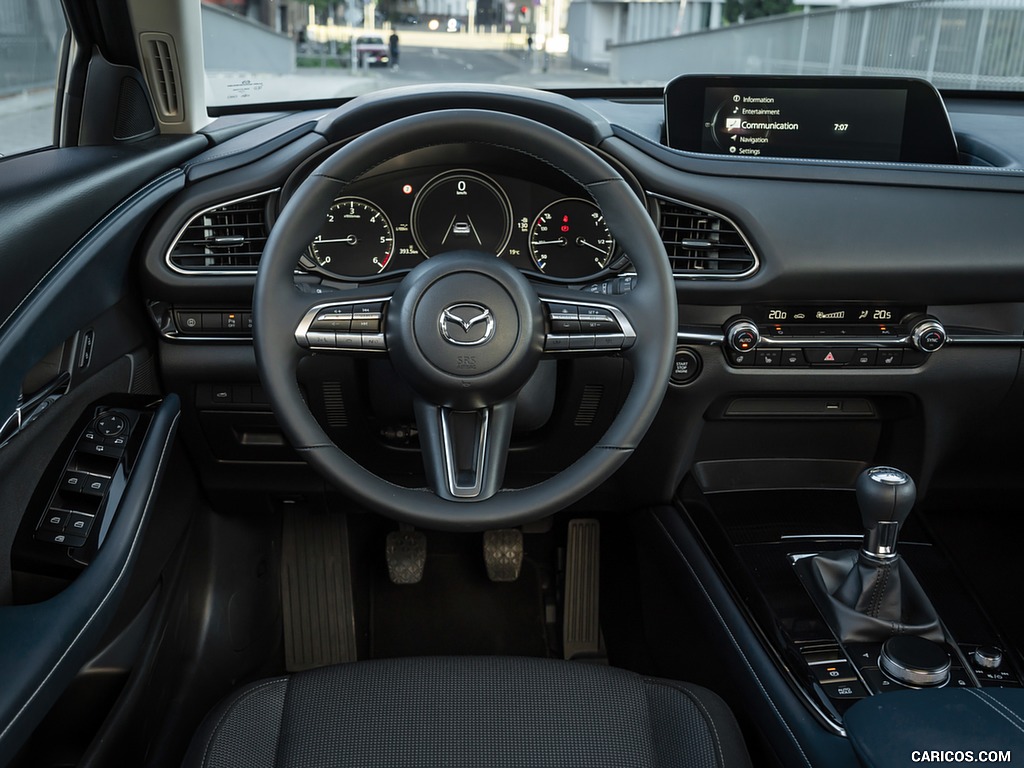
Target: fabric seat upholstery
pixel 484 712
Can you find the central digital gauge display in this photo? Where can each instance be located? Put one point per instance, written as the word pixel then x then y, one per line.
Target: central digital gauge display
pixel 461 210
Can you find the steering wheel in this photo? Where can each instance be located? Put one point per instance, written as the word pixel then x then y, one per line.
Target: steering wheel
pixel 466 330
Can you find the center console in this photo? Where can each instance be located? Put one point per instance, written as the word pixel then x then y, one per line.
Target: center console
pixel 845 612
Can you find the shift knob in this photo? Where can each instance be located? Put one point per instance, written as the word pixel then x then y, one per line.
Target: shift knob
pixel 885 496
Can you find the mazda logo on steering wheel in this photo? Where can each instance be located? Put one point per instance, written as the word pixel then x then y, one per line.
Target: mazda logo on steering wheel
pixel 466 325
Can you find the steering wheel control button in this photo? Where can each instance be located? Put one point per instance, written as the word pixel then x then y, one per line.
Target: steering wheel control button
pixel 366 318
pixel 348 340
pixel 609 341
pixel 914 661
pixel 374 341
pixel 333 319
pixel 582 341
pixel 556 343
pixel 564 318
pixel 322 339
pixel 685 368
pixel 597 320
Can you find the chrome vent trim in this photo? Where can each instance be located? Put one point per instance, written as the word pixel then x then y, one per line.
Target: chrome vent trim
pixel 225 239
pixel 703 244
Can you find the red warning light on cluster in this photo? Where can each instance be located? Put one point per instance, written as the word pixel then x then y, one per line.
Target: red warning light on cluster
pixel 407 189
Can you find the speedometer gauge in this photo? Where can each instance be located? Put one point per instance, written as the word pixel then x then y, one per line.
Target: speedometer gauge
pixel 570 239
pixel 356 240
pixel 461 210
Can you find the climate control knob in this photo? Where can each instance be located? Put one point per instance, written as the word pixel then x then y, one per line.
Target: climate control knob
pixel 928 335
pixel 742 336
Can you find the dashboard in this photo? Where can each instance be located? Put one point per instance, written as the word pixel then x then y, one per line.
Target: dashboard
pixel 793 251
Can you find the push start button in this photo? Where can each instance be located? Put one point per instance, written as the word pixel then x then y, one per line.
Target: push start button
pixel 685 368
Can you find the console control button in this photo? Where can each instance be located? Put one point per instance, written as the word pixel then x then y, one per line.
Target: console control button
pixel 987 657
pixel 828 356
pixel 864 358
pixel 914 661
pixel 836 672
pixel 844 691
pixel 864 655
pixel 879 683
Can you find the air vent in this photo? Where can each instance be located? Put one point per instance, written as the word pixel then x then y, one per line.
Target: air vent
pixel 225 239
pixel 703 244
pixel 161 60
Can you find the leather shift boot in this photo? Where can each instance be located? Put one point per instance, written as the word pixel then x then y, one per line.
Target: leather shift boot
pixel 865 602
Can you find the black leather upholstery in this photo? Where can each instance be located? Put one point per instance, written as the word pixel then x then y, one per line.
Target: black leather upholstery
pixel 469 711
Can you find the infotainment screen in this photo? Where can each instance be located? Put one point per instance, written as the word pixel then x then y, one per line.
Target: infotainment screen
pixel 837 118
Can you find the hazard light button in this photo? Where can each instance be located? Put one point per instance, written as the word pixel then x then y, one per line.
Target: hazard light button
pixel 828 355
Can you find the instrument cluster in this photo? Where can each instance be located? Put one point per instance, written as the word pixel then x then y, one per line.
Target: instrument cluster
pixel 410 210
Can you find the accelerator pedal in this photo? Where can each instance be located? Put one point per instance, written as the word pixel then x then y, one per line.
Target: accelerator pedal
pixel 581 628
pixel 316 589
pixel 406 552
pixel 503 554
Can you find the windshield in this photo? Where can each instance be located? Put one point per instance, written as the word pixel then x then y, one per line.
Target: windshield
pixel 320 50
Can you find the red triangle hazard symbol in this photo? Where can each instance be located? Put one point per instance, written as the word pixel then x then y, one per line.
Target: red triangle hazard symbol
pixel 830 358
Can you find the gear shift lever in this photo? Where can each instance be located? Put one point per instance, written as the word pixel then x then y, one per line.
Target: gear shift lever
pixel 871 595
pixel 885 496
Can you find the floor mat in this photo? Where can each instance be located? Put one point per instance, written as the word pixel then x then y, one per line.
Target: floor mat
pixel 456 609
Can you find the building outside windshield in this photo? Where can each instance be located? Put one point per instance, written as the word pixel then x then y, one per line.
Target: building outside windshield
pixel 284 52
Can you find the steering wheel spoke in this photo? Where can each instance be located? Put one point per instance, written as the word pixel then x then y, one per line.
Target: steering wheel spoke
pixel 464 451
pixel 579 323
pixel 342 321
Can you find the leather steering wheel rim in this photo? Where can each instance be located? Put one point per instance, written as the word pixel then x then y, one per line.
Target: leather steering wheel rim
pixel 650 308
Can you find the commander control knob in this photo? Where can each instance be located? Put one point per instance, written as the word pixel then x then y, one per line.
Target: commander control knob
pixel 742 336
pixel 885 496
pixel 914 661
pixel 928 335
pixel 987 657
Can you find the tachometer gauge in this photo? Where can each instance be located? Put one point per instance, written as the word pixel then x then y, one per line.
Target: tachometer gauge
pixel 570 239
pixel 356 240
pixel 461 210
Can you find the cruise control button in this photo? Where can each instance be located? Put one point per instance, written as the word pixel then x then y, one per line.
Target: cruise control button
pixel 609 340
pixel 582 342
pixel 828 355
pixel 565 324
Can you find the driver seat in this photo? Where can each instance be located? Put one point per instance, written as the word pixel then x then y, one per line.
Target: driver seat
pixel 479 712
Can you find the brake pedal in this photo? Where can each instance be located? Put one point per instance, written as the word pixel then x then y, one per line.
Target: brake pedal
pixel 581 626
pixel 503 554
pixel 406 552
